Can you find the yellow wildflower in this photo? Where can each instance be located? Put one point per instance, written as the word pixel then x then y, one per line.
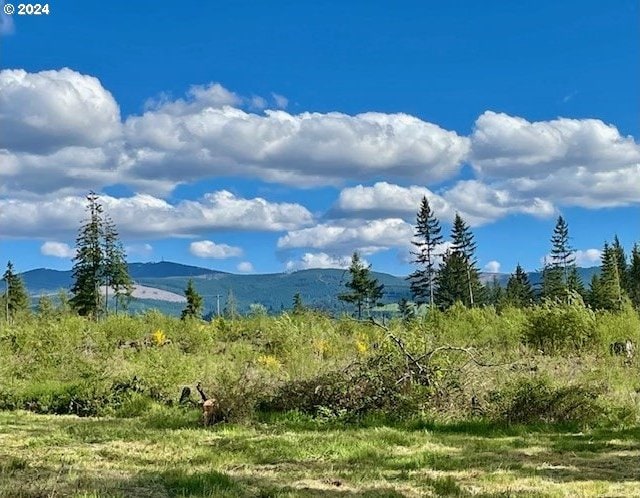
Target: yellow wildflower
pixel 158 337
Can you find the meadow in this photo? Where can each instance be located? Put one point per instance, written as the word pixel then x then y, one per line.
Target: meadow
pixel 465 402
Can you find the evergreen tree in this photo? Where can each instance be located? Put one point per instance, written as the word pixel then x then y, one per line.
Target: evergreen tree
pixel 365 290
pixel 15 298
pixel 115 270
pixel 633 276
pixel 560 276
pixel 88 262
pixel 594 296
pixel 574 282
pixel 231 307
pixel 621 261
pixel 494 292
pixel 99 261
pixel 519 291
pixel 298 305
pixel 427 238
pixel 194 302
pixel 45 306
pixel 610 292
pixel 458 277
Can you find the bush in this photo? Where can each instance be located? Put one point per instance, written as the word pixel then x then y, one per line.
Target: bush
pixel 537 400
pixel 558 327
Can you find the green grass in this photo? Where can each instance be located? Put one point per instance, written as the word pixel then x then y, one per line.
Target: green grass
pixel 44 455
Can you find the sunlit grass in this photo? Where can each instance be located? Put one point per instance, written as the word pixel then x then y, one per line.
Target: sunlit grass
pixel 43 455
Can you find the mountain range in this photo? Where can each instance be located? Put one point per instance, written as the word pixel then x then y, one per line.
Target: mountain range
pixel 161 285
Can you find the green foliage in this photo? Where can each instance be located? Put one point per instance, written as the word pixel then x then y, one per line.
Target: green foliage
pixel 556 326
pixel 194 302
pixel 100 260
pixel 536 400
pixel 298 305
pixel 365 290
pixel 15 299
pixel 427 238
pixel 633 277
pixel 458 277
pixel 519 291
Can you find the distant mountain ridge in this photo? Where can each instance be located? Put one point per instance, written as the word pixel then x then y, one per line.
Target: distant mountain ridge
pixel 318 287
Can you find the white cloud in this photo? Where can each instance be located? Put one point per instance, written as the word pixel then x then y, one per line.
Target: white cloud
pixel 345 236
pixel 245 267
pixel 300 149
pixel 146 216
pixel 585 258
pixel 589 257
pixel 50 110
pixel 6 22
pixel 476 202
pixel 139 249
pixel 209 249
pixel 492 267
pixel 319 260
pixel 57 250
pixel 579 162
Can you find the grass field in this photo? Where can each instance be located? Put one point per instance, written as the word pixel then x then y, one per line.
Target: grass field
pixel 165 454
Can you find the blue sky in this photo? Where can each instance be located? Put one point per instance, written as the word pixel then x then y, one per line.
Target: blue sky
pixel 264 136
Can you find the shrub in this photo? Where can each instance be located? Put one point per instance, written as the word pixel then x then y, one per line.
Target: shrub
pixel 557 327
pixel 538 400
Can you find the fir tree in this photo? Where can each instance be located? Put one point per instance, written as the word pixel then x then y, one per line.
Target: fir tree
pixel 115 271
pixel 99 261
pixel 519 291
pixel 633 276
pixel 610 292
pixel 621 261
pixel 365 290
pixel 194 302
pixel 88 262
pixel 15 298
pixel 298 305
pixel 594 296
pixel 427 238
pixel 494 292
pixel 458 277
pixel 560 276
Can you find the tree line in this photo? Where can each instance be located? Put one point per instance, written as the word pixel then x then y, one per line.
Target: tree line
pixel 446 273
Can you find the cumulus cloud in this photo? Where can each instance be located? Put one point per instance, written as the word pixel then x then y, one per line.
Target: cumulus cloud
pixel 319 260
pixel 46 111
pixel 57 250
pixel 280 101
pixel 245 267
pixel 143 215
pixel 581 162
pixel 209 249
pixel 345 236
pixel 589 257
pixel 492 267
pixel 476 202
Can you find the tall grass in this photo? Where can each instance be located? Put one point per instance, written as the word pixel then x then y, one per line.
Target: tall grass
pixel 124 364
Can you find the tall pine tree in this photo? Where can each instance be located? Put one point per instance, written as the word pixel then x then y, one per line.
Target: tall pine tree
pixel 194 302
pixel 633 276
pixel 519 291
pixel 610 292
pixel 88 265
pixel 99 261
pixel 365 290
pixel 427 238
pixel 560 275
pixel 15 298
pixel 115 270
pixel 458 277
